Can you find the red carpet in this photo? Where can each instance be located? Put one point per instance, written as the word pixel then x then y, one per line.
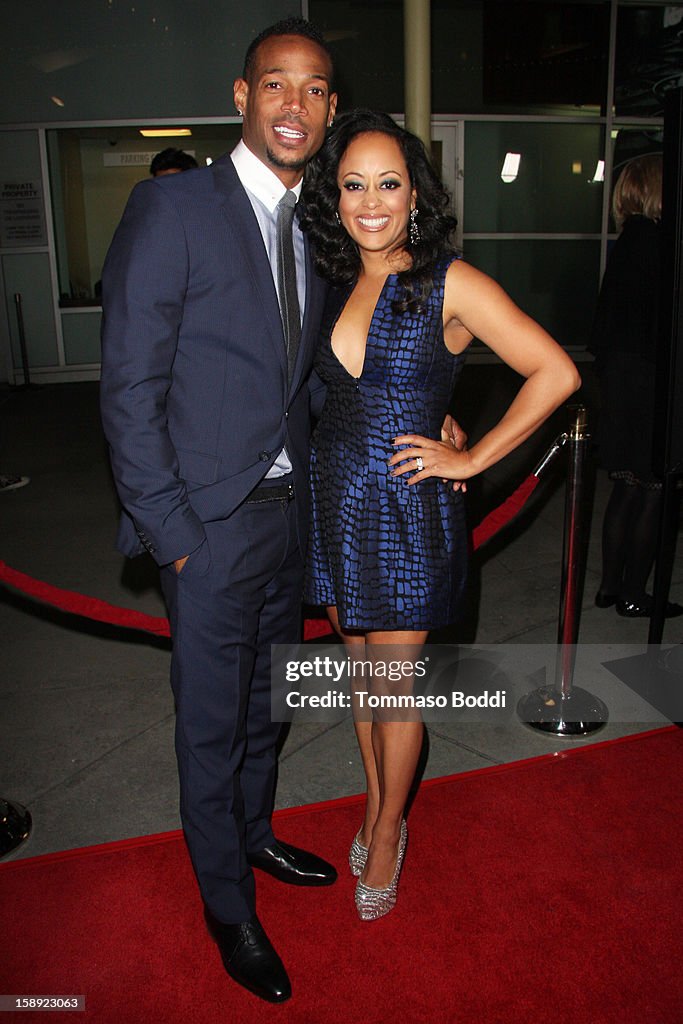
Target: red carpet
pixel 543 892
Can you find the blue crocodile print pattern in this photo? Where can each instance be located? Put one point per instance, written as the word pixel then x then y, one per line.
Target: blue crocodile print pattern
pixel 389 556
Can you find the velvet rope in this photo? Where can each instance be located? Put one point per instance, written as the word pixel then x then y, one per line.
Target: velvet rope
pixel 496 520
pixel 77 604
pixel 101 611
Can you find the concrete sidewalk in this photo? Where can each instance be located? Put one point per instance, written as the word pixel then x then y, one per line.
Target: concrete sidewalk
pixel 87 713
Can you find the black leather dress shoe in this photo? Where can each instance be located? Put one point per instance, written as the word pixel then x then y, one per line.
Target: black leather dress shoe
pixel 632 610
pixel 603 600
pixel 289 864
pixel 249 958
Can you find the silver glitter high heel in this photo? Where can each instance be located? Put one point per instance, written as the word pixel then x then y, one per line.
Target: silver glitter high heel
pixel 373 903
pixel 358 854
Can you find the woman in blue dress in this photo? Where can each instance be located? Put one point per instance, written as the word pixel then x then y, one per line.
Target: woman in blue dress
pixel 388 546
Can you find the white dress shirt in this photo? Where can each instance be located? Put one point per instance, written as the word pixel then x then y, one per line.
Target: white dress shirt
pixel 265 190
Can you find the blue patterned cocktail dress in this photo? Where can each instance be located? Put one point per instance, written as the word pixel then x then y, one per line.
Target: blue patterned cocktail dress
pixel 389 556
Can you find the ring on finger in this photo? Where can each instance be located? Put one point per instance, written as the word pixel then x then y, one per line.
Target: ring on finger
pixel 419 464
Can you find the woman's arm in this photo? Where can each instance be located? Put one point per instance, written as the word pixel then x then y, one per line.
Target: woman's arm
pixel 474 305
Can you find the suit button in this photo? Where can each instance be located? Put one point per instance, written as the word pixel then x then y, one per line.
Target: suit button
pixel 264 456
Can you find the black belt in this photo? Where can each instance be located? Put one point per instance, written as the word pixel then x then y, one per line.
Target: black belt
pixel 271 492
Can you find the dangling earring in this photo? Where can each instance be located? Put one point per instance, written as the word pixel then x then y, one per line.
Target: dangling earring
pixel 343 243
pixel 413 229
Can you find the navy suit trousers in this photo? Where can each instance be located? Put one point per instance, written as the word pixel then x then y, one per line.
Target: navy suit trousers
pixel 237 594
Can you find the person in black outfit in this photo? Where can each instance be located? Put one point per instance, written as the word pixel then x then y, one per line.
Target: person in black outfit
pixel 624 342
pixel 171 161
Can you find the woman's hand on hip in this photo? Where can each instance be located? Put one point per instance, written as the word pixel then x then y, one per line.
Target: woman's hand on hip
pixel 452 433
pixel 424 458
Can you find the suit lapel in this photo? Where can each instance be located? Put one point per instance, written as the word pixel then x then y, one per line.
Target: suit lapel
pixel 310 328
pixel 237 210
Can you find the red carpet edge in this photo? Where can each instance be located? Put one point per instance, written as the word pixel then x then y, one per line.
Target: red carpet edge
pixel 323 805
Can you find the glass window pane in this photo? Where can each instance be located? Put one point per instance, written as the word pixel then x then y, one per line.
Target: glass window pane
pixel 366 40
pixel 545 55
pixel 505 56
pixel 554 282
pixel 100 60
pixel 92 172
pixel 649 57
pixel 81 334
pixel 28 275
pixel 554 187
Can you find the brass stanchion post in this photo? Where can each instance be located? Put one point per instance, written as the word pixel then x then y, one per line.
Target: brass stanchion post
pixel 565 709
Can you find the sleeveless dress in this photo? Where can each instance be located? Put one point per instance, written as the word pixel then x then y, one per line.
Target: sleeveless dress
pixel 389 556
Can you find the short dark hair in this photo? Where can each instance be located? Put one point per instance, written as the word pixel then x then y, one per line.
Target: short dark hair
pixel 336 255
pixel 286 27
pixel 172 159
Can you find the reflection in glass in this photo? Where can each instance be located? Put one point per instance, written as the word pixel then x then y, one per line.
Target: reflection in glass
pixel 510 167
pixel 101 60
pixel 649 58
pixel 506 56
pixel 544 55
pixel 554 189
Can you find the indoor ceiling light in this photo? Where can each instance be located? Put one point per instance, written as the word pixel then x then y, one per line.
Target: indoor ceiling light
pixel 164 133
pixel 510 167
pixel 599 171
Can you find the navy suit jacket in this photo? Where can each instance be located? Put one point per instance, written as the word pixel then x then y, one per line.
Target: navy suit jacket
pixel 195 400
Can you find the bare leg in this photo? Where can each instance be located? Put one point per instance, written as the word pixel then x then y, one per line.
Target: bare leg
pixel 355 642
pixel 396 746
pixel 389 750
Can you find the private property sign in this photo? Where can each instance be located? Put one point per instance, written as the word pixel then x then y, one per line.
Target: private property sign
pixel 22 219
pixel 134 159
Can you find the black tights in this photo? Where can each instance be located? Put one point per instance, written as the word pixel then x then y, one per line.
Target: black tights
pixel 629 540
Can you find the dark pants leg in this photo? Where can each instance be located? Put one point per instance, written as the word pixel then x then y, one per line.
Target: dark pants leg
pixel 237 595
pixel 629 540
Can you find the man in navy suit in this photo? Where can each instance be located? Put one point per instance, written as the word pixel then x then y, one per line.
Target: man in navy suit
pixel 207 416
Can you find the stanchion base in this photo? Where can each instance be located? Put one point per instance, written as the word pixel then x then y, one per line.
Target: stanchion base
pixel 15 826
pixel 577 714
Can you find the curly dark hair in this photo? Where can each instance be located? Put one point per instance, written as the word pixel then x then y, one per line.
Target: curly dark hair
pixel 336 255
